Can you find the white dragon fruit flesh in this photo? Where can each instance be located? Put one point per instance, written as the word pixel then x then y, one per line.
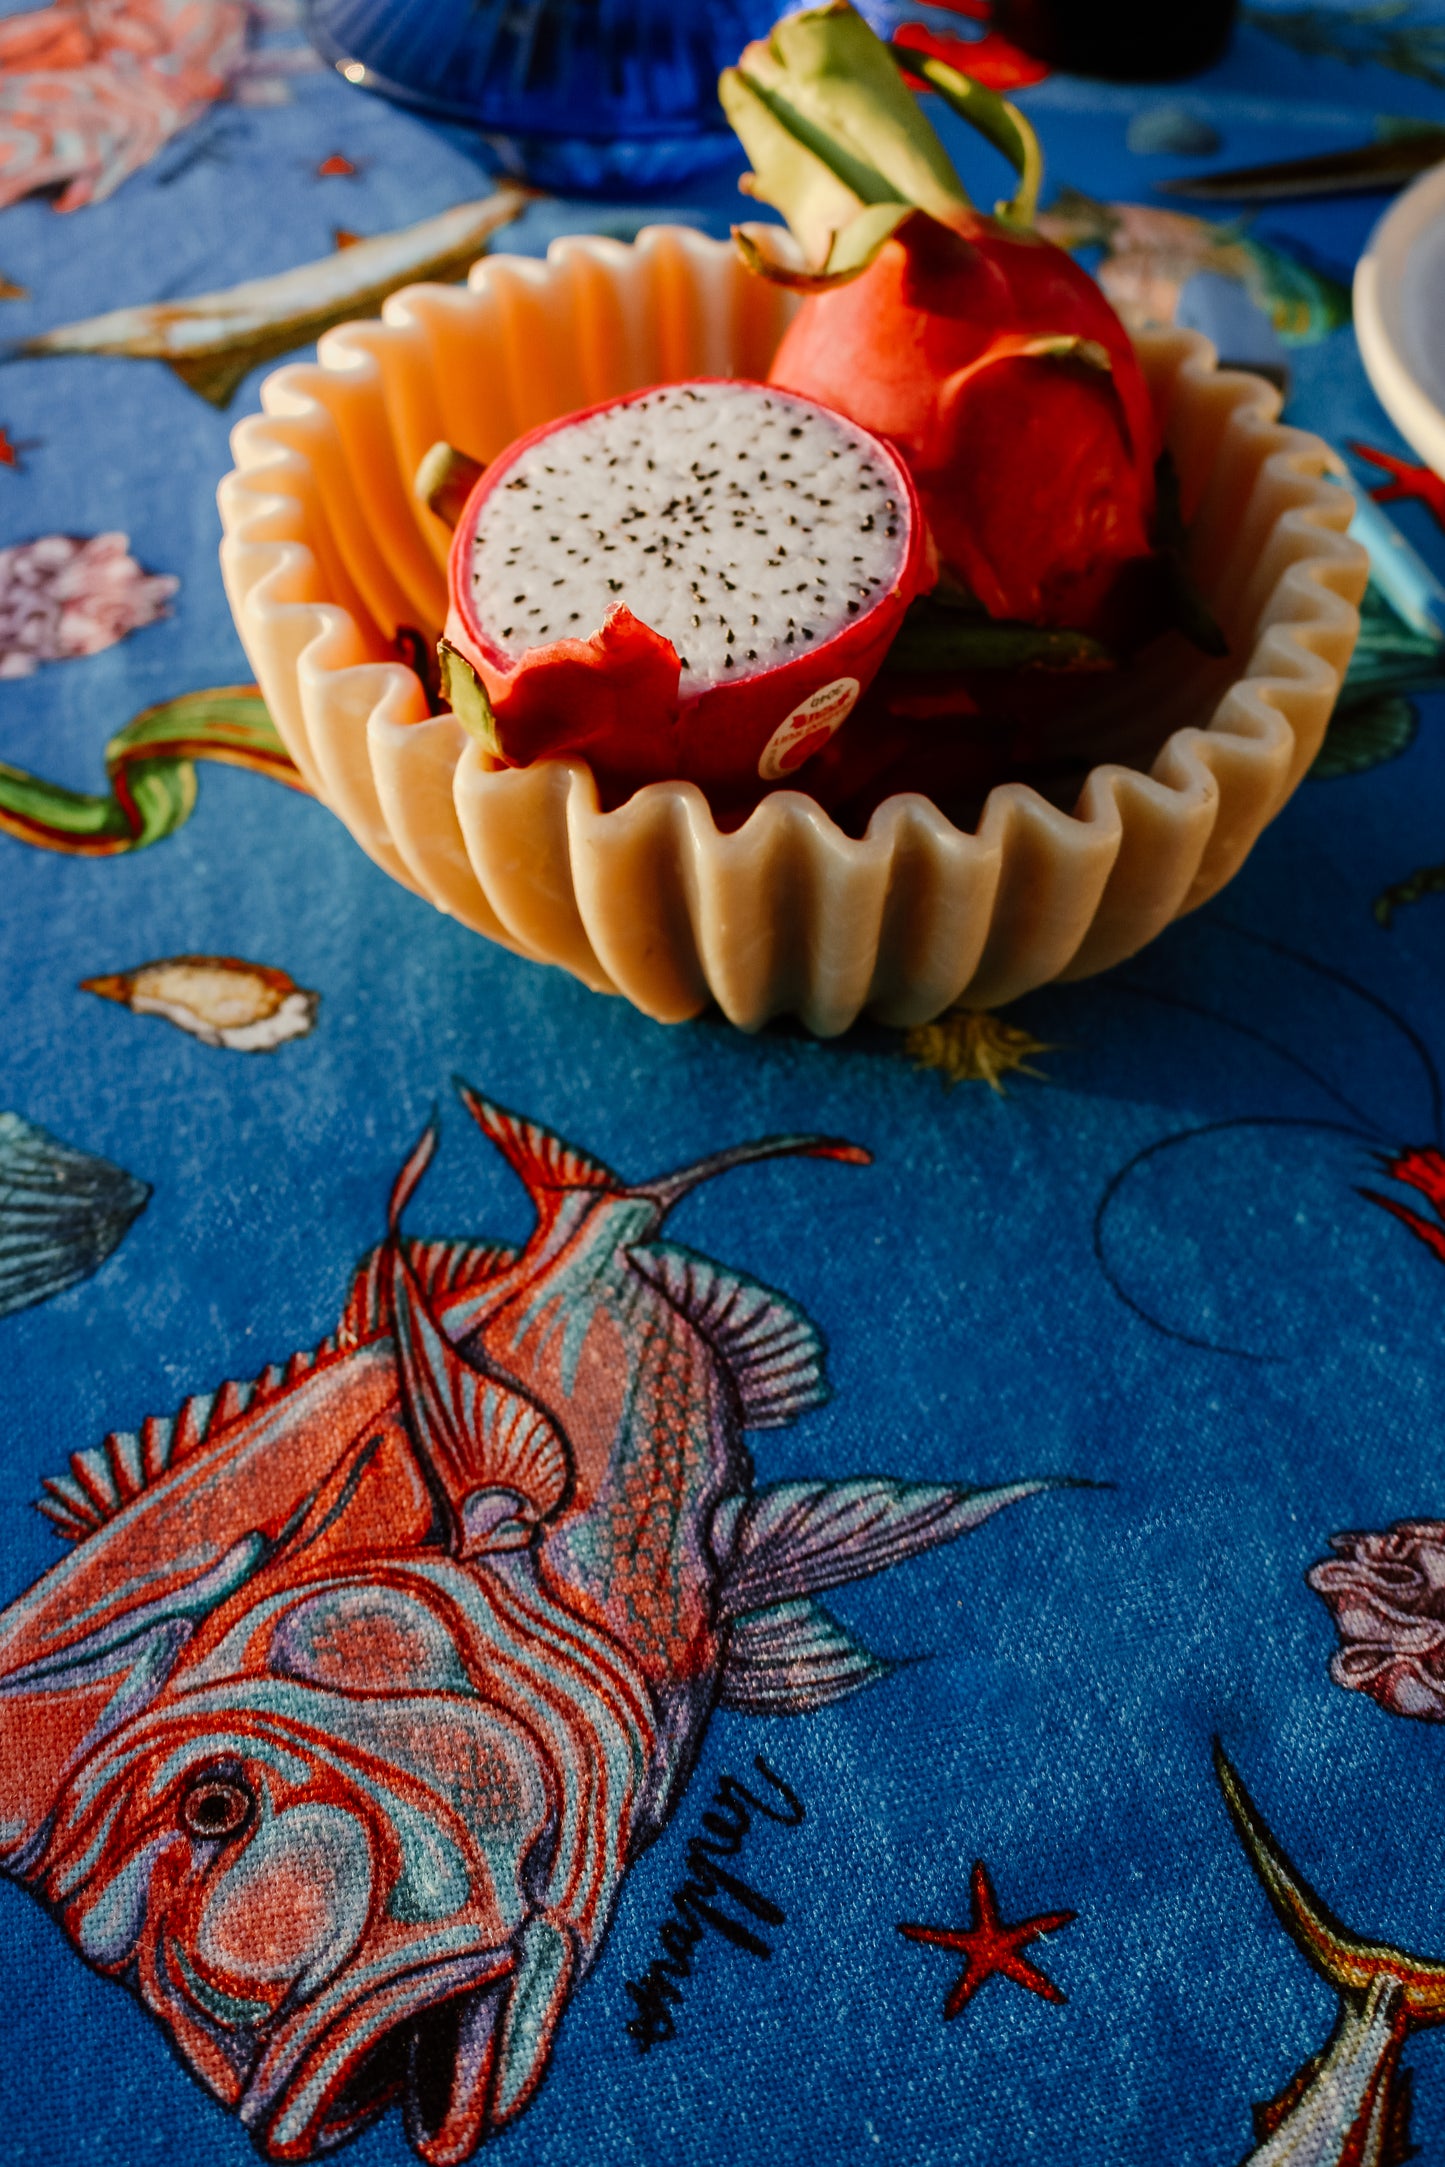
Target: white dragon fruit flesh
pixel 696 581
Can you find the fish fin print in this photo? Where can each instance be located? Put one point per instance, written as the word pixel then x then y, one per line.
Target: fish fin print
pixel 104 1479
pixel 669 1189
pixel 540 1987
pixel 773 1352
pixel 62 1212
pixel 497 1457
pixel 798 1538
pixel 218 377
pixel 107 1477
pixel 791 1658
pixel 544 1163
pixel 442 1270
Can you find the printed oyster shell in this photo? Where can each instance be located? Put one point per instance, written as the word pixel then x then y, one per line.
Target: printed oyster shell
pixel 325 553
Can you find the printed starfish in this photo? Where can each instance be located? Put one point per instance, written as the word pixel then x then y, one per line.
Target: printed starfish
pixel 11 449
pixel 990 1946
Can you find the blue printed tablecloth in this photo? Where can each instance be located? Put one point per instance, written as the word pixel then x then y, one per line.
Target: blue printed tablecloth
pixel 1028 1747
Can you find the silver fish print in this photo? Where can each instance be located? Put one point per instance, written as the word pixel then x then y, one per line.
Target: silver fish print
pixel 335 1735
pixel 213 340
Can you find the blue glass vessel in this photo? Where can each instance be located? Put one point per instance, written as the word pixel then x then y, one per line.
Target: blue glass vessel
pixel 585 96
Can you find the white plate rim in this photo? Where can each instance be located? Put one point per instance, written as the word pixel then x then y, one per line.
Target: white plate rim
pixel 1381 277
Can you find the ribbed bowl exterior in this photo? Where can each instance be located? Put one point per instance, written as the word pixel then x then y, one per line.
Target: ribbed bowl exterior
pixel 326 554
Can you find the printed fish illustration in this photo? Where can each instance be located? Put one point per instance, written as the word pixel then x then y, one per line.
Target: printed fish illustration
pixel 221 1000
pixel 1349 2106
pixel 62 1213
pixel 213 339
pixel 366 1682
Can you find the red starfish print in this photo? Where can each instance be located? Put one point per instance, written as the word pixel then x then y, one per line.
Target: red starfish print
pixel 990 1946
pixel 1406 481
pixel 337 167
pixel 13 448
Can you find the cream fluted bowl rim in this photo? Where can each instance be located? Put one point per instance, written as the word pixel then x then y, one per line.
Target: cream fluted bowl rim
pixel 325 553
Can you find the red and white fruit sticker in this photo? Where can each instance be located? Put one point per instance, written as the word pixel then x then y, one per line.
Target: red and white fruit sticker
pixel 808 729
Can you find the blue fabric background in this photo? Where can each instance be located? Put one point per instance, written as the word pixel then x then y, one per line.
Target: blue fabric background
pixel 1082 1648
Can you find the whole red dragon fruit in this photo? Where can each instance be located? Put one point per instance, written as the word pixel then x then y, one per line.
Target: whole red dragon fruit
pixel 983 352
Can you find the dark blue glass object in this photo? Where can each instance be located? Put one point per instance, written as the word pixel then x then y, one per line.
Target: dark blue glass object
pixel 584 96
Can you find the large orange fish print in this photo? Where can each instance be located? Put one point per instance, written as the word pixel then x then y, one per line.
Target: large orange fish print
pixel 365 1683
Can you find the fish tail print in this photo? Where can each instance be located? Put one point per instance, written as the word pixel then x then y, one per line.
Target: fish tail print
pixel 1349 2105
pixel 791 1541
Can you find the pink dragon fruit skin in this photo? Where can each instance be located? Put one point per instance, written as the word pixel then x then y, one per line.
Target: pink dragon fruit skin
pixel 621 696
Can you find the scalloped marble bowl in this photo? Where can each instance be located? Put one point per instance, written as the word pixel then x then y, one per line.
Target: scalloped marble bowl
pixel 326 554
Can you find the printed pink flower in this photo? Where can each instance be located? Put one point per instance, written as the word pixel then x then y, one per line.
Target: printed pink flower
pixel 63 596
pixel 1387 1595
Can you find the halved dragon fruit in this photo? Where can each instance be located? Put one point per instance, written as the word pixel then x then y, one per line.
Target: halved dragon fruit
pixel 696 581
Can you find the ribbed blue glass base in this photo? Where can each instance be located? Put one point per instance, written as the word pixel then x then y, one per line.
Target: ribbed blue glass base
pixel 585 96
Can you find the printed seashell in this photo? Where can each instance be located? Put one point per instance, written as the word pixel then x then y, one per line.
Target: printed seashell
pixel 221 1000
pixel 62 1212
